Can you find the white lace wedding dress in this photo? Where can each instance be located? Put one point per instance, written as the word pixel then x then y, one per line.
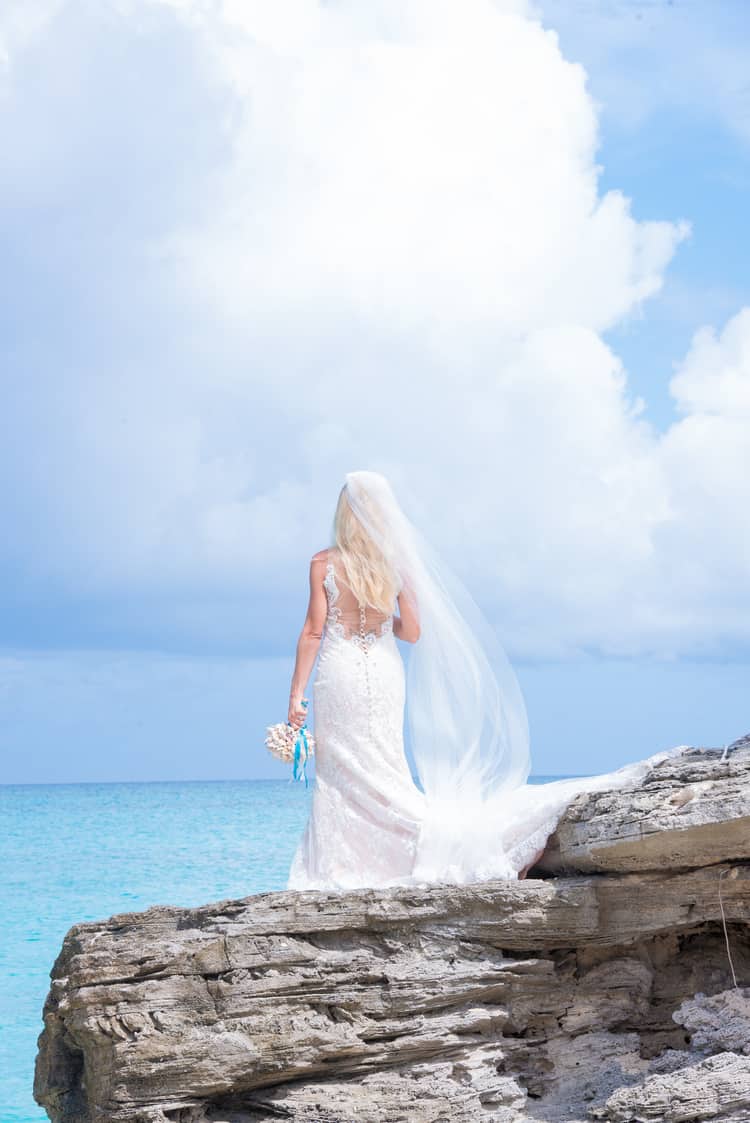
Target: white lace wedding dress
pixel 366 809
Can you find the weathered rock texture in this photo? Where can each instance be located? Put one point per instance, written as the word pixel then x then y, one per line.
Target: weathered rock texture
pixel 600 989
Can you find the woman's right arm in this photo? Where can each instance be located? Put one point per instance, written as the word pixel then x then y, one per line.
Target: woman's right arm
pixel 309 639
pixel 406 624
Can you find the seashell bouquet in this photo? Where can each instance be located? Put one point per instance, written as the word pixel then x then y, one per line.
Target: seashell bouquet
pixel 293 746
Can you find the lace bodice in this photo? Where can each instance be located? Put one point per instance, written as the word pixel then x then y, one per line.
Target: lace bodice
pixel 346 618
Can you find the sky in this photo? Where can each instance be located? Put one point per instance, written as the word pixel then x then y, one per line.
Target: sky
pixel 496 250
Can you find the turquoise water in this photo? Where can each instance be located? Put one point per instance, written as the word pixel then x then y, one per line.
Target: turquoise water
pixel 73 852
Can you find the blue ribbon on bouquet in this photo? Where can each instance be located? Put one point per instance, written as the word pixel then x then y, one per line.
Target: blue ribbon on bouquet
pixel 301 751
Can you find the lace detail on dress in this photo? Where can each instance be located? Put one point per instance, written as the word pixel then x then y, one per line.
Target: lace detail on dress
pixel 336 627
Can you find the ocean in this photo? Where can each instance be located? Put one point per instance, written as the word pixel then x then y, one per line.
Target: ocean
pixel 74 852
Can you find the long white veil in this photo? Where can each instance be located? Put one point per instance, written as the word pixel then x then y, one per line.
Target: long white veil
pixel 465 711
pixel 465 714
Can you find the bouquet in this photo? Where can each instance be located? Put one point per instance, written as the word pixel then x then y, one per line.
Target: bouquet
pixel 293 746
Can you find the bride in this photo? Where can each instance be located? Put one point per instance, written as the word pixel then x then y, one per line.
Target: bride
pixel 470 815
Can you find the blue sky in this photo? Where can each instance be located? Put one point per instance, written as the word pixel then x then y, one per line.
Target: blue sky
pixel 250 249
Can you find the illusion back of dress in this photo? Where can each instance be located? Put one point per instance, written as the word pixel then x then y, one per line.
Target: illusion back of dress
pixel 346 617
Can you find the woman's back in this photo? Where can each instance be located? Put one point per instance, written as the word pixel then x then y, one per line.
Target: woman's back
pixel 346 617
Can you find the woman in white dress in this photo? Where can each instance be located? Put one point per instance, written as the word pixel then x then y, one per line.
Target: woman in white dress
pixel 366 810
pixel 472 816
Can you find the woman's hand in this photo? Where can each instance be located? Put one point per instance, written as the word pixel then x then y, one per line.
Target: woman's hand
pixel 297 712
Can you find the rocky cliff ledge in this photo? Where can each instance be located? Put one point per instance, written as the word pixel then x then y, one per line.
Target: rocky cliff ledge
pixel 599 989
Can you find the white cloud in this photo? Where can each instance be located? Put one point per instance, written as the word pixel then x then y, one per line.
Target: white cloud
pixel 21 21
pixel 704 550
pixel 715 376
pixel 361 236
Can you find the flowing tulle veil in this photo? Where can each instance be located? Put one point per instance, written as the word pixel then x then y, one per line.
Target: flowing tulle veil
pixel 465 715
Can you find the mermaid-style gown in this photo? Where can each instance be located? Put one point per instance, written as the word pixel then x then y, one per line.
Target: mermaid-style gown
pixel 366 808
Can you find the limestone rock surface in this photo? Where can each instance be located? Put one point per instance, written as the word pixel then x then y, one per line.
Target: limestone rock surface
pixel 600 988
pixel 669 820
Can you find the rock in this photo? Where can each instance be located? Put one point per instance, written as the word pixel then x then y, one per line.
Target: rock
pixel 578 997
pixel 720 1021
pixel 717 1088
pixel 667 821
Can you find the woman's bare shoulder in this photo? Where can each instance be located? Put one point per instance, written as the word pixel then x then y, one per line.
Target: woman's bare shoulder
pixel 323 555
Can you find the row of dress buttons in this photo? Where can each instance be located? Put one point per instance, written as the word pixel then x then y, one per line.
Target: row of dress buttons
pixel 365 648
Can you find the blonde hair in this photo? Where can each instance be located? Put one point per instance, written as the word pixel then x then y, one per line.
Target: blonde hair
pixel 369 574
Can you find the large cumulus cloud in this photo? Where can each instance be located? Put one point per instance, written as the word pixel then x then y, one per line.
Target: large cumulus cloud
pixel 254 246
